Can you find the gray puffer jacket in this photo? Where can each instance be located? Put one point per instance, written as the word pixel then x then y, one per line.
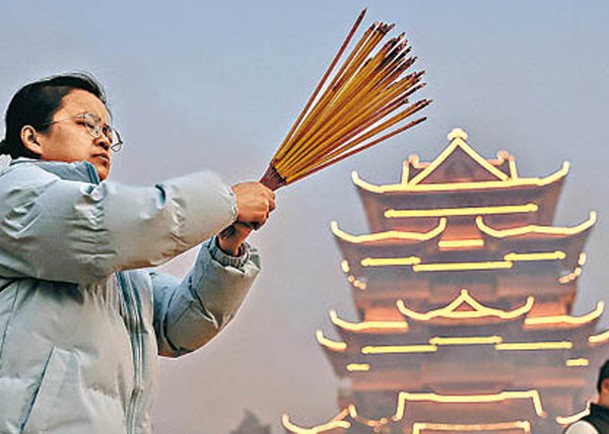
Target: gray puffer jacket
pixel 81 323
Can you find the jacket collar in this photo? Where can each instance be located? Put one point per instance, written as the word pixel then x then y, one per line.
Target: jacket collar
pixel 600 411
pixel 82 171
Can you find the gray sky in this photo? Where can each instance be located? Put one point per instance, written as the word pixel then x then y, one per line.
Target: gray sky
pixel 197 85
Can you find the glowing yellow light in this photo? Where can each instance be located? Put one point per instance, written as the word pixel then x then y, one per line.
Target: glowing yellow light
pixel 531 346
pixel 457 244
pixel 456 186
pixel 353 367
pixel 364 421
pixel 406 171
pixel 418 427
pixel 577 362
pixel 336 423
pixel 601 337
pixel 404 397
pixel 535 229
pixel 582 259
pixel 463 266
pixel 466 340
pixel 568 420
pixel 344 265
pixel 359 284
pixel 479 310
pixel 400 326
pixel 331 345
pixel 568 319
pixel 458 142
pixel 513 169
pixel 384 262
pixel 388 235
pixel 447 212
pixel 571 276
pixel 540 256
pixel 351 278
pixel 399 349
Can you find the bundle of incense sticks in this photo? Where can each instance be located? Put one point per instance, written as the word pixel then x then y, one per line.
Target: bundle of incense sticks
pixel 365 98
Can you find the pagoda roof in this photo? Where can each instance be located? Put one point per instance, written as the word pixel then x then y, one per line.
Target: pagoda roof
pixel 566 321
pixel 568 420
pixel 599 338
pixel 369 326
pixel 583 325
pixel 536 231
pixel 391 236
pixel 466 307
pixel 349 416
pixel 456 163
pixel 459 167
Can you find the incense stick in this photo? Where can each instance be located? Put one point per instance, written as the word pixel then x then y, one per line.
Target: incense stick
pixel 353 110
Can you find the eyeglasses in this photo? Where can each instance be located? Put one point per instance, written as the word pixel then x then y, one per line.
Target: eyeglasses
pixel 95 127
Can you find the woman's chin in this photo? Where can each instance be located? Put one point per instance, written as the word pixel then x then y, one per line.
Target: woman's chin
pixel 103 171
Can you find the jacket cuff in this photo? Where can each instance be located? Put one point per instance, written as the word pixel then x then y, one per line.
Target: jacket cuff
pixel 225 259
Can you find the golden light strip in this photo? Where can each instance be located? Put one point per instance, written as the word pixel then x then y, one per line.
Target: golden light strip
pixel 513 169
pixel 334 424
pixel 466 340
pixel 384 262
pixel 524 230
pixel 601 337
pixel 457 244
pixel 399 349
pixel 568 420
pixel 388 235
pixel 463 266
pixel 364 421
pixel 568 319
pixel 478 311
pixel 577 362
pixel 458 142
pixel 358 367
pixel 419 427
pixel 344 265
pixel 359 284
pixel 330 344
pixel 356 283
pixel 454 212
pixel 539 256
pixel 532 346
pixel 456 186
pixel 582 259
pixel 403 397
pixel 368 325
pixel 571 276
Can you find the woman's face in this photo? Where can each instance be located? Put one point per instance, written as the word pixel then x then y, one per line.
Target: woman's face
pixel 67 138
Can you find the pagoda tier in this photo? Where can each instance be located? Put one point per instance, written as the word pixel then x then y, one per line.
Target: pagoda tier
pixel 460 185
pixel 401 248
pixel 445 413
pixel 501 263
pixel 505 355
pixel 373 349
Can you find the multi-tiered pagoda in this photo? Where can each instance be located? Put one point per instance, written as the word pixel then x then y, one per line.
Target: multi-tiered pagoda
pixel 465 289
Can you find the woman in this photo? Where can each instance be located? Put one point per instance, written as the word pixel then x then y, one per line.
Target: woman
pixel 81 323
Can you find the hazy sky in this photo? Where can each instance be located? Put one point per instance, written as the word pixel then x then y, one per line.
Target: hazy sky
pixel 216 85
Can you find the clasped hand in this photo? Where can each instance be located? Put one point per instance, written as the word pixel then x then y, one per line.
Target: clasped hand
pixel 254 204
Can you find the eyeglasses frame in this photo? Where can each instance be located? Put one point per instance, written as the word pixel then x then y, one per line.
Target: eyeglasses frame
pixel 96 130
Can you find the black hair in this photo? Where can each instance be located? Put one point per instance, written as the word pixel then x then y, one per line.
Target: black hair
pixel 602 375
pixel 36 103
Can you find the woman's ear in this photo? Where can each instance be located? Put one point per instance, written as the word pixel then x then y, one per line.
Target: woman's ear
pixel 29 137
pixel 605 387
